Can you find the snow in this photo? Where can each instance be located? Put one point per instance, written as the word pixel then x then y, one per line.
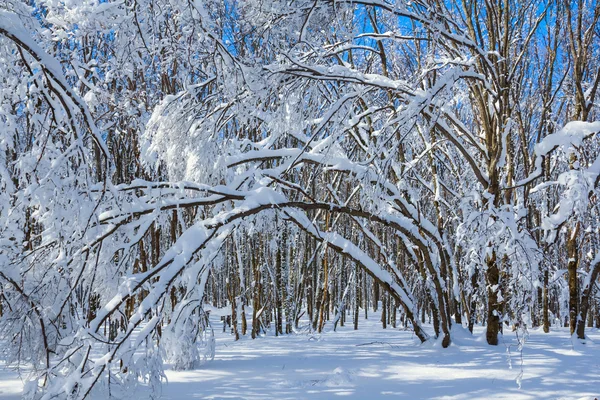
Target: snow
pixel 376 363
pixel 571 135
pixel 10 384
pixel 11 28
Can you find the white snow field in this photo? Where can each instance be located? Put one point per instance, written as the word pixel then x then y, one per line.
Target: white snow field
pixel 373 363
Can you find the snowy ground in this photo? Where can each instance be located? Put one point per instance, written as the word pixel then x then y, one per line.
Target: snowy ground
pixel 374 363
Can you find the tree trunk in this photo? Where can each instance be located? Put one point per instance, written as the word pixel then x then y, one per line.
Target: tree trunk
pixel 573 255
pixel 357 283
pixel 383 313
pixel 586 295
pixel 545 300
pixel 256 294
pixel 493 313
pixel 277 292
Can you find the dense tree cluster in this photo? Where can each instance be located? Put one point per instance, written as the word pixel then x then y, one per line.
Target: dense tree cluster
pixel 305 159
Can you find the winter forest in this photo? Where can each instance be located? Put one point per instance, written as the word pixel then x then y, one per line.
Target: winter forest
pixel 356 180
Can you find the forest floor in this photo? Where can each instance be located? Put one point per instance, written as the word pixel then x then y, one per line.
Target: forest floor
pixel 373 363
